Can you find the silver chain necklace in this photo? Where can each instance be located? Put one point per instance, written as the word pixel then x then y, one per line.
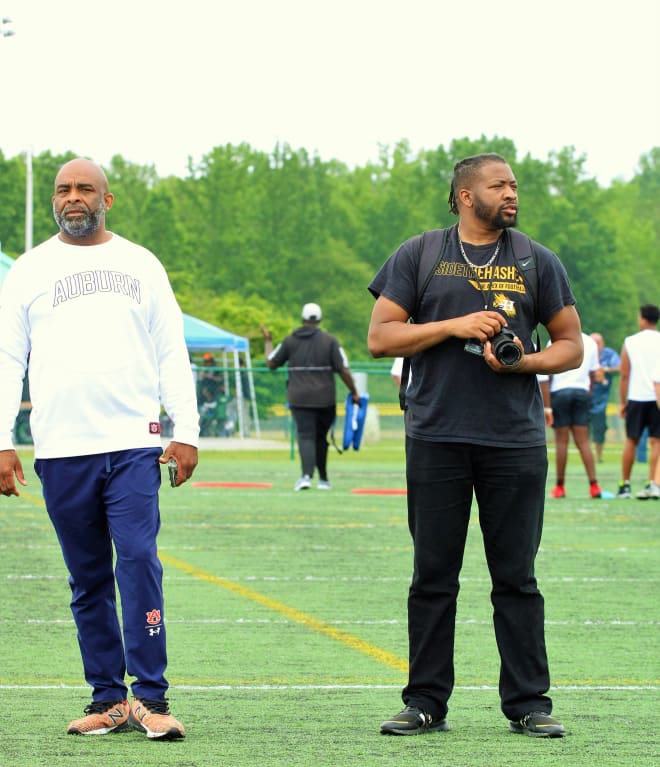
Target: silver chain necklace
pixel 467 260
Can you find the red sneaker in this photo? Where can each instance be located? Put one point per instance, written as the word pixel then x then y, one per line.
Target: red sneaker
pixel 558 492
pixel 595 490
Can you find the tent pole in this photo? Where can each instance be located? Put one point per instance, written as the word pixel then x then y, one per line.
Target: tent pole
pixel 253 397
pixel 239 394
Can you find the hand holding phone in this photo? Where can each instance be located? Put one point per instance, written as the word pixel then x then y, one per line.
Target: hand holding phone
pixel 173 469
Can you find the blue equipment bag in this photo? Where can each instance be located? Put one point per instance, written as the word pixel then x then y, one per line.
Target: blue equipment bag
pixel 354 421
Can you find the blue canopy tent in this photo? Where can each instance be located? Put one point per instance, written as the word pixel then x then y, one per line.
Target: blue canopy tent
pixel 202 336
pixel 22 426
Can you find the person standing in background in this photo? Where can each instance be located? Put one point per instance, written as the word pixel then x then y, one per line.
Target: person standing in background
pixel 313 357
pixel 396 370
pixel 93 318
pixel 569 398
pixel 600 393
pixel 639 357
pixel 654 493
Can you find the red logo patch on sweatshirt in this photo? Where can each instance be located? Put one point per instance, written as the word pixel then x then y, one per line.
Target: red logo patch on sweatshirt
pixel 154 427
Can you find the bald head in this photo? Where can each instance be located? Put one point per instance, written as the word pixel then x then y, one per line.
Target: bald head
pixel 80 200
pixel 80 167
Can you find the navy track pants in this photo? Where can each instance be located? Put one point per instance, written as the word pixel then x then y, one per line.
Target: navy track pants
pixel 96 501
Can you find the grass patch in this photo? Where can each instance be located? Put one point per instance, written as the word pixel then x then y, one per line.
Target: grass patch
pixel 286 620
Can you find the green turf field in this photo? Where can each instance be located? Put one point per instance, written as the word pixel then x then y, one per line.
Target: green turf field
pixel 287 630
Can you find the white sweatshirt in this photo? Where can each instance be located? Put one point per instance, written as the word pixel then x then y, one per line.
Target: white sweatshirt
pixel 104 337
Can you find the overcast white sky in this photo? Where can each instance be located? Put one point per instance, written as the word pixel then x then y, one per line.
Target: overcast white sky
pixel 158 81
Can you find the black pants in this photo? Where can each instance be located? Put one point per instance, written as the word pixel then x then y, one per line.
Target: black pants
pixel 509 485
pixel 312 427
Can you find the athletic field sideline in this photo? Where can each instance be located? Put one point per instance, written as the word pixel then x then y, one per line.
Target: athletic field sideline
pixel 286 626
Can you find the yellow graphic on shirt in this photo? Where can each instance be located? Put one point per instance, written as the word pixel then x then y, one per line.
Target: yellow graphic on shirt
pixel 500 301
pixel 499 279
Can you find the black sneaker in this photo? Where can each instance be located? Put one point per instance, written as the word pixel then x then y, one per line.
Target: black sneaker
pixel 538 724
pixel 624 490
pixel 413 721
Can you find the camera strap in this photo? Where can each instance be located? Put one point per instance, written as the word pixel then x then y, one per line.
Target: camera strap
pixel 432 251
pixel 525 257
pixel 487 297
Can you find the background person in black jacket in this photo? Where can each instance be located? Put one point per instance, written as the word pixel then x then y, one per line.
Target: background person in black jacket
pixel 313 357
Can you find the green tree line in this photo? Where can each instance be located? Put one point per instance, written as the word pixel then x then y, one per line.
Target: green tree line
pixel 248 236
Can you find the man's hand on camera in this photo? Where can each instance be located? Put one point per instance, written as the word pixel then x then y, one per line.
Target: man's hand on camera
pixel 493 363
pixel 479 325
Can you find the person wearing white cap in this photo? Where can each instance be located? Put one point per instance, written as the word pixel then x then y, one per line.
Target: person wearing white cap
pixel 313 357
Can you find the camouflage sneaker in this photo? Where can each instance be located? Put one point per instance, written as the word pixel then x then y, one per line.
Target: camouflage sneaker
pixel 538 724
pixel 103 716
pixel 153 717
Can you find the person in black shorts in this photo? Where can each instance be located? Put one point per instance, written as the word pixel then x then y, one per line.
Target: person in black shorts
pixel 569 396
pixel 639 357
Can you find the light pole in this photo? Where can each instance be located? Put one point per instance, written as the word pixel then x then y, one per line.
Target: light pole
pixel 5 31
pixel 28 199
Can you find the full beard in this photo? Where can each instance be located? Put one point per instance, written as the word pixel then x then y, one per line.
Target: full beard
pixel 497 219
pixel 81 226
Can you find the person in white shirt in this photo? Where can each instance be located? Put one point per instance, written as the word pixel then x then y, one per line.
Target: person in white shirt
pixel 396 370
pixel 655 483
pixel 569 397
pixel 639 356
pixel 93 319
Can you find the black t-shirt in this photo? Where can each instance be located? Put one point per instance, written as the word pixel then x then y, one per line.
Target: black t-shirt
pixel 453 395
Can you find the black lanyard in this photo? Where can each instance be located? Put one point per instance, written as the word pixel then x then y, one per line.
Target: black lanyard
pixel 486 297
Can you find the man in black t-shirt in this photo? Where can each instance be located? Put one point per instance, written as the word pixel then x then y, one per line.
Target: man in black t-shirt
pixel 313 357
pixel 475 425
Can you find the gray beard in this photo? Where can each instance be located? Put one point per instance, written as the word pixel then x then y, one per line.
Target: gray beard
pixel 82 226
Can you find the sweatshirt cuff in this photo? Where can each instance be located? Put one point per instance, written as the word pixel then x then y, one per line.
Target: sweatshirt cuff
pixel 186 436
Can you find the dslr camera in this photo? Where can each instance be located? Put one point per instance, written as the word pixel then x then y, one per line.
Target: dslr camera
pixel 505 349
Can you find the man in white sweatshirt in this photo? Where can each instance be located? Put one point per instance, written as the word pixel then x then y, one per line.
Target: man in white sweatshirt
pixel 93 319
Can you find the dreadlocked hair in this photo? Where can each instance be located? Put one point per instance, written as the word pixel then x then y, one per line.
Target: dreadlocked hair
pixel 465 171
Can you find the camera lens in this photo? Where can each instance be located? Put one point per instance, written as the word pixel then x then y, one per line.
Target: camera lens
pixel 509 354
pixel 506 351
